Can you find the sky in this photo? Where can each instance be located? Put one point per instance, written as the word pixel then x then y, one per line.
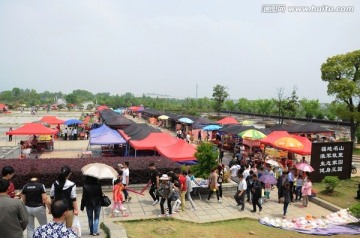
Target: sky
pixel 176 48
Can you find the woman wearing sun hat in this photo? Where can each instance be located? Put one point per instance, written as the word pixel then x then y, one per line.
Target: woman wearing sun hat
pixel 165 189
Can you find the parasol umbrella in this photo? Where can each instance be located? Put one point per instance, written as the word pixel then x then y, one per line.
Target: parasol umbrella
pixel 247 123
pixel 73 122
pixel 268 178
pixel 163 117
pixel 252 134
pixel 99 171
pixel 211 128
pixel 288 142
pixel 272 162
pixel 186 120
pixel 304 167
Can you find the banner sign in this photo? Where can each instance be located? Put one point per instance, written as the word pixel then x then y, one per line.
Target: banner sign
pixel 331 159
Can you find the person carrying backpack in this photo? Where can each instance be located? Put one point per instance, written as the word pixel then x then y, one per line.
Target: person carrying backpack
pixel 65 189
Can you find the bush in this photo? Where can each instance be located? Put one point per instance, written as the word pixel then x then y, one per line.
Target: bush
pixel 331 182
pixel 50 168
pixel 355 210
pixel 206 156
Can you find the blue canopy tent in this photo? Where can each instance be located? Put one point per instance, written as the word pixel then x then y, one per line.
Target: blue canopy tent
pixel 107 138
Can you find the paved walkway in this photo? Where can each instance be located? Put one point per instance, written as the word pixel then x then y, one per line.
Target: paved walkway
pixel 141 207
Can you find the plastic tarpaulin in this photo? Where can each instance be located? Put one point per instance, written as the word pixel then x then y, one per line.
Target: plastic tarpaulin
pixel 153 140
pixel 118 120
pixel 107 138
pixel 98 131
pixel 179 152
pixel 228 121
pixel 138 131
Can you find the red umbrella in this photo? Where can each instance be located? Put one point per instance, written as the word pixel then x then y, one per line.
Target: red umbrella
pixel 285 141
pixel 304 167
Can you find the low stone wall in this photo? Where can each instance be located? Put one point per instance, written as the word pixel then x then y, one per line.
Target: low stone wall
pixel 325 204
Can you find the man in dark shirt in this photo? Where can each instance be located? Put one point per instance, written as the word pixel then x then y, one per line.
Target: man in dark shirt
pixel 154 178
pixel 256 193
pixel 34 196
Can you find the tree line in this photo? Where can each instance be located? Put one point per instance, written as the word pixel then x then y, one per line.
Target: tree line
pixel 341 72
pixel 290 106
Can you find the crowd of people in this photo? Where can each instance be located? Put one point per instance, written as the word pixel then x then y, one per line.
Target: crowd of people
pixel 169 190
pixel 32 203
pixel 292 185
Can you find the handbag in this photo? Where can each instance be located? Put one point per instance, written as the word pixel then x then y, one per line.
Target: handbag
pixel 159 192
pixel 76 227
pixel 105 201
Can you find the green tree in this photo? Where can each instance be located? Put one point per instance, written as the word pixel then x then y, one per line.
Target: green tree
pixel 264 106
pixel 310 107
pixel 244 105
pixel 206 156
pixel 16 92
pixel 342 74
pixel 291 104
pixel 219 96
pixel 230 105
pixel 280 103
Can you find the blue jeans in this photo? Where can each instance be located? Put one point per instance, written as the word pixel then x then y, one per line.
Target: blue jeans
pixel 298 193
pixel 93 214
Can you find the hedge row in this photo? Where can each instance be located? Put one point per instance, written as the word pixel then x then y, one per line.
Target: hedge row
pixel 50 168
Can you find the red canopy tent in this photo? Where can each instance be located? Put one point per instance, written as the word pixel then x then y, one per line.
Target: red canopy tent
pixel 52 120
pixel 180 151
pixel 102 107
pixel 153 140
pixel 227 121
pixel 32 129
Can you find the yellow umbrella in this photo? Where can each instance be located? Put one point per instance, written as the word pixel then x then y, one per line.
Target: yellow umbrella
pixel 247 123
pixel 252 134
pixel 163 117
pixel 289 142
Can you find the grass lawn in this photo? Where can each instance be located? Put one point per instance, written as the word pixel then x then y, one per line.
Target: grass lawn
pixel 356 151
pixel 161 228
pixel 343 196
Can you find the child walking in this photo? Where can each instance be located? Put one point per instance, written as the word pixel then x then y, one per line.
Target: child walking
pixel 175 197
pixel 118 198
pixel 306 191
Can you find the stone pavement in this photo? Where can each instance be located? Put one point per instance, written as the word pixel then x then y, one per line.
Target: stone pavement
pixel 140 207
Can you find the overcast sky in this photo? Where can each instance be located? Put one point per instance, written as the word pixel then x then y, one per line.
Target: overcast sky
pixel 167 47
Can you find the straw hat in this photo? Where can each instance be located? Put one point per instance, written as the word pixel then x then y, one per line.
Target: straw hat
pixel 164 177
